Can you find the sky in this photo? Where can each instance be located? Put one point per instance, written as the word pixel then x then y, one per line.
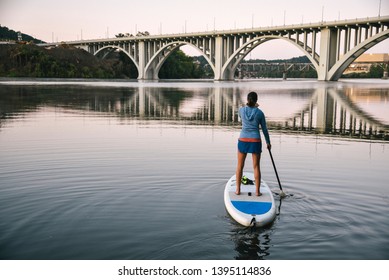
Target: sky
pixel 54 20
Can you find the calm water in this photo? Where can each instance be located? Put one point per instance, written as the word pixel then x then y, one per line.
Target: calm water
pixel 127 170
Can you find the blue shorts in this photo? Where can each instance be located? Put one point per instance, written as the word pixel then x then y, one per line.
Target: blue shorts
pixel 250 147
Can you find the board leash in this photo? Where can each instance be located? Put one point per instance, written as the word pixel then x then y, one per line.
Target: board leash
pixel 253 221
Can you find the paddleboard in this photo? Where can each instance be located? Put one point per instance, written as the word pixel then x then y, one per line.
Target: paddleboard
pixel 247 208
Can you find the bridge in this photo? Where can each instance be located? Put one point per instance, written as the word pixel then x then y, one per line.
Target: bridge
pixel 330 46
pixel 257 69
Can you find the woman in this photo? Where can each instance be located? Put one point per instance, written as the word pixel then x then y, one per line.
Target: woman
pixel 250 140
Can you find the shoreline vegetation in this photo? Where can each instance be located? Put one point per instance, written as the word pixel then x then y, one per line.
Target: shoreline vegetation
pixel 22 59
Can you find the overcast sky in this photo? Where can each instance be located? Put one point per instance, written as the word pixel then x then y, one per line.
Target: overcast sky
pixel 50 20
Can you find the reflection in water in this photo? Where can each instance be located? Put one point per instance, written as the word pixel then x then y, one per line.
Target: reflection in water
pixel 335 113
pixel 252 244
pixel 324 110
pixel 60 164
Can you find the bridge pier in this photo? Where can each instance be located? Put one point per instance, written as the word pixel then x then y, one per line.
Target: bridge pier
pixel 218 59
pixel 142 60
pixel 143 72
pixel 328 47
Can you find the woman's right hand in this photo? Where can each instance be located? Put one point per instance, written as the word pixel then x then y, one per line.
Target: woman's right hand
pixel 269 146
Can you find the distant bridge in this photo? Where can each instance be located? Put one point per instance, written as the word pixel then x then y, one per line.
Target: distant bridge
pixel 255 69
pixel 330 46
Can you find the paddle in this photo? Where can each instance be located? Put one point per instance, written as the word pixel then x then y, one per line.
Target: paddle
pixel 282 194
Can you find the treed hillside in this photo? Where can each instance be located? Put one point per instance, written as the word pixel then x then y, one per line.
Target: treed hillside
pixel 11 35
pixel 180 66
pixel 61 62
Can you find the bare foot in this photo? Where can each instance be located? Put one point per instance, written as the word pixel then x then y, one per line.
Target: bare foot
pixel 237 192
pixel 258 194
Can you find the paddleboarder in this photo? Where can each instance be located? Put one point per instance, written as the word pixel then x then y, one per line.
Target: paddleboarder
pixel 249 141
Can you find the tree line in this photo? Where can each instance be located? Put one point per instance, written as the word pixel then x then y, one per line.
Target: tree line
pixel 33 61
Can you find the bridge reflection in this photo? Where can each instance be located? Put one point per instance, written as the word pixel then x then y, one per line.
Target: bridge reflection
pixel 323 110
pixel 328 111
pixel 333 112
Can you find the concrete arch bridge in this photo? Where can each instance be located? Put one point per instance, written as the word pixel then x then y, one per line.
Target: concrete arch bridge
pixel 330 46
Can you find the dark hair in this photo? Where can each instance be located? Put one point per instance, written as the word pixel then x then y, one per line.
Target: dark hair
pixel 252 98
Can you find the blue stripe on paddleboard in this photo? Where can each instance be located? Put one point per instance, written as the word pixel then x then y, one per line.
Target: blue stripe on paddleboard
pixel 251 207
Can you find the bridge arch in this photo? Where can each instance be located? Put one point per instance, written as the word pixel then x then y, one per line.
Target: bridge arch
pixel 232 63
pixel 338 68
pixel 112 48
pixel 157 60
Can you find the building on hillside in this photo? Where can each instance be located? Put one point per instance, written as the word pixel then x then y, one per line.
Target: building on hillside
pixel 364 62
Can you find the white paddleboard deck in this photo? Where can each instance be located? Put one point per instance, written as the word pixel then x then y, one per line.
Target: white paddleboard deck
pixel 247 208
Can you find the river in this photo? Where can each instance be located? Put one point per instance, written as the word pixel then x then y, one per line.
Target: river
pixel 130 170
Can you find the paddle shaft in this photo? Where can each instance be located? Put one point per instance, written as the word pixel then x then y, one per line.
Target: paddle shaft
pixel 275 169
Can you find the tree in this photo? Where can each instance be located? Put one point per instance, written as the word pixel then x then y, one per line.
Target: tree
pixel 180 66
